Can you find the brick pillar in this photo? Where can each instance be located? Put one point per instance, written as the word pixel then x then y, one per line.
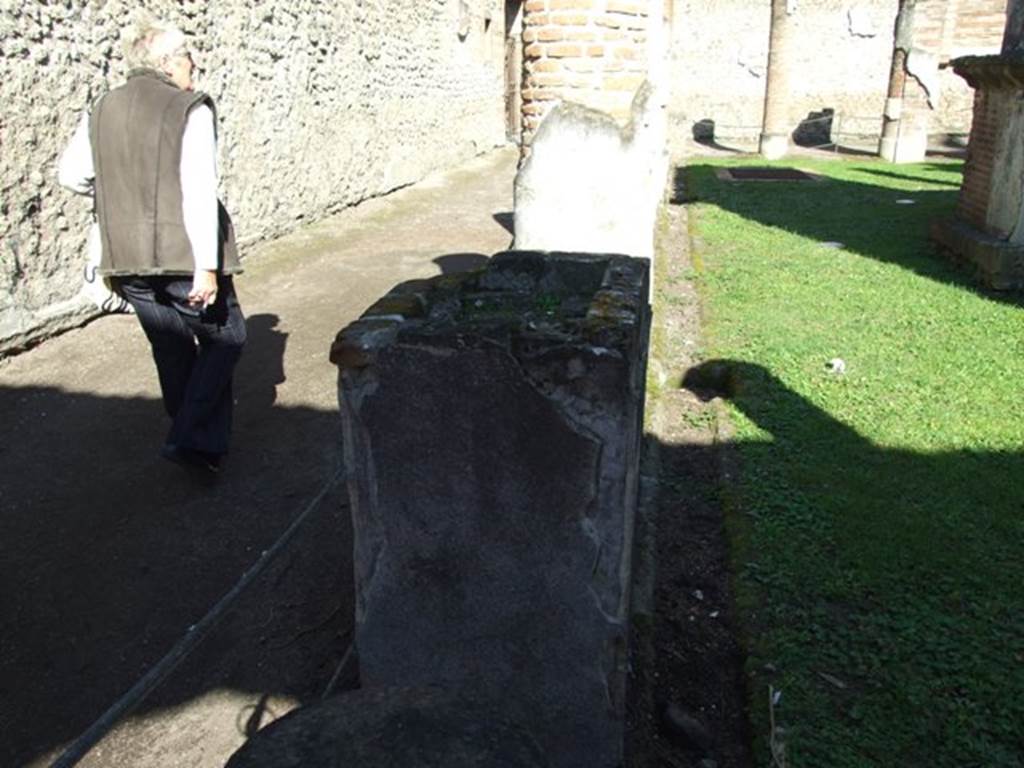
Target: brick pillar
pixel 988 229
pixel 972 206
pixel 591 52
pixel 903 36
pixel 923 31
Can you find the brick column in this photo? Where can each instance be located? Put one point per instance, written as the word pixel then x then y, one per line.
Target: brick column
pixel 922 26
pixel 988 229
pixel 591 52
pixel 972 206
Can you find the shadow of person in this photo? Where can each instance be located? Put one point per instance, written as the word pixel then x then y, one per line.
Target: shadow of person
pixel 261 367
pixel 109 554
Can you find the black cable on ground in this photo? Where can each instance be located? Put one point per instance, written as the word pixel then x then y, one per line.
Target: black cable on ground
pixel 81 746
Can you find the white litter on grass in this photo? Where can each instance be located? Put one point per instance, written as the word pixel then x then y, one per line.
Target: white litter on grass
pixel 905 201
pixel 832 244
pixel 836 365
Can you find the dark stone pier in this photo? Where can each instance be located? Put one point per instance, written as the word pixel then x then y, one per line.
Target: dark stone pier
pixel 492 426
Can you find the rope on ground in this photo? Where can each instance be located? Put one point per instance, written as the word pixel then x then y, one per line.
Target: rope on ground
pixel 157 674
pixel 349 652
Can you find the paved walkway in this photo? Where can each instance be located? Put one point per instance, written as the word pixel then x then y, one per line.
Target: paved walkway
pixel 108 553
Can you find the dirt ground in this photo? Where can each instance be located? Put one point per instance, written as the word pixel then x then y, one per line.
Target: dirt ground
pixel 108 554
pixel 688 705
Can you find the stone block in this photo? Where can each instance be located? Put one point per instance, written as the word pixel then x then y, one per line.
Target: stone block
pixel 590 186
pixel 393 728
pixel 997 263
pixel 492 448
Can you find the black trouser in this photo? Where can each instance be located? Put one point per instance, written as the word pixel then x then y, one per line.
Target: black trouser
pixel 195 352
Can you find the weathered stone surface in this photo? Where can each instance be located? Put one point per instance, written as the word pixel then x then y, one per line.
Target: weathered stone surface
pixel 1005 215
pixel 996 72
pixel 997 263
pixel 320 106
pixel 492 449
pixel 394 728
pixel 589 186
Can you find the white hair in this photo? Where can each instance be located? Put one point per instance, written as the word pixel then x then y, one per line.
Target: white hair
pixel 149 41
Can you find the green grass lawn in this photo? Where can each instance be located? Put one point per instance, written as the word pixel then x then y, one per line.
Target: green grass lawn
pixel 877 528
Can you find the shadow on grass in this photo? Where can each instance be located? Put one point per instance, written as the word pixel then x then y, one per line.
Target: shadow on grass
pixel 868 219
pixel 905 177
pixel 895 571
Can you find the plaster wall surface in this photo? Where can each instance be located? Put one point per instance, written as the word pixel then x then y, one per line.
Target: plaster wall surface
pixel 718 60
pixel 320 106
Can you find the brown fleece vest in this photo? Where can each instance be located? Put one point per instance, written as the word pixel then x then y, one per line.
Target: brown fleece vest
pixel 136 132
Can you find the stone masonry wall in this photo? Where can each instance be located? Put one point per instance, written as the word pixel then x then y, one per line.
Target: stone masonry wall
pixel 718 58
pixel 590 52
pixel 320 105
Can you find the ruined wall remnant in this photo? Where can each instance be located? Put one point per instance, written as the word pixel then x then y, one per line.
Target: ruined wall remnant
pixel 841 59
pixel 492 426
pixel 321 105
pixel 590 185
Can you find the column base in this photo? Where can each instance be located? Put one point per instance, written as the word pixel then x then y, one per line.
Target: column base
pixel 774 145
pixel 996 263
pixel 907 148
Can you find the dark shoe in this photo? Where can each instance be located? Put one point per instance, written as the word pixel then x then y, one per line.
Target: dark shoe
pixel 186 457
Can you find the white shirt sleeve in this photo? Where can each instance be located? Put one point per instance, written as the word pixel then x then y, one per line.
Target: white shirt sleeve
pixel 74 169
pixel 199 186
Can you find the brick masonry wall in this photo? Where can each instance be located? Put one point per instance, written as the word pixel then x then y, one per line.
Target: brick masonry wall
pixel 951 28
pixel 976 190
pixel 591 52
pixel 321 105
pixel 718 58
pixel 972 205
